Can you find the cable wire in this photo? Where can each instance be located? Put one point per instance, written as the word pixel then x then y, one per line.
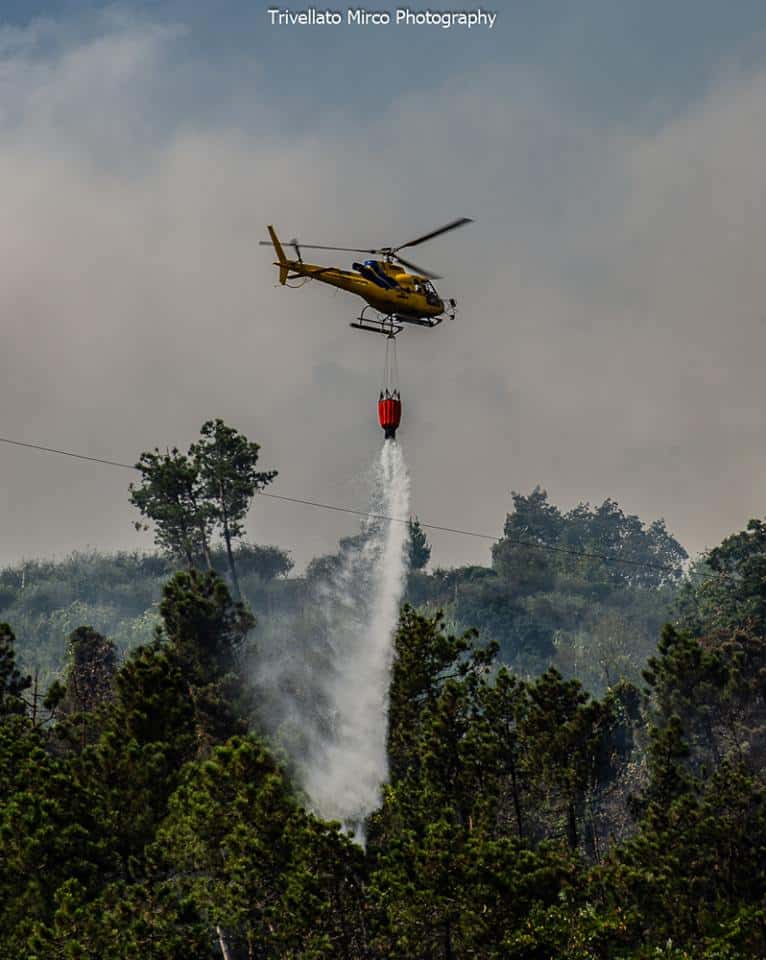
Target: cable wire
pixel 68 453
pixel 581 554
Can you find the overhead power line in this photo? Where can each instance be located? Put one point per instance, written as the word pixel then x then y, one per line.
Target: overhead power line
pixel 530 544
pixel 67 453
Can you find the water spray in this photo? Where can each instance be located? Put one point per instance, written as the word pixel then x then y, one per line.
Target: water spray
pixel 331 716
pixel 361 606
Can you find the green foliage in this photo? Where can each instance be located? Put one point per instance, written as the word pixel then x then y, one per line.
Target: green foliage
pixel 12 683
pixel 553 596
pixel 425 657
pixel 650 556
pixel 418 547
pixel 225 463
pixel 170 495
pixel 712 692
pixel 225 840
pixel 522 816
pixel 270 879
pixel 206 634
pixel 596 631
pixel 92 664
pixel 78 702
pixel 458 865
pixel 726 590
pixel 694 868
pixel 189 496
pixel 118 595
pixel 265 563
pixel 203 625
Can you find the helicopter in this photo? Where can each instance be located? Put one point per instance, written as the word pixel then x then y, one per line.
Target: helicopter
pixel 397 296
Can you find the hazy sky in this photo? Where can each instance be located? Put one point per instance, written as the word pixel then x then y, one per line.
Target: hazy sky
pixel 610 338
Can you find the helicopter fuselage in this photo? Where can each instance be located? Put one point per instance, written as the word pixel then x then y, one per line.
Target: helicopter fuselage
pixel 386 287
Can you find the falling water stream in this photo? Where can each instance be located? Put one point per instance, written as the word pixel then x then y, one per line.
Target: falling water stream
pixel 360 603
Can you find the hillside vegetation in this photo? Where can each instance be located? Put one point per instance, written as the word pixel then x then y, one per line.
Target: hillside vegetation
pixel 548 598
pixel 142 813
pixel 576 744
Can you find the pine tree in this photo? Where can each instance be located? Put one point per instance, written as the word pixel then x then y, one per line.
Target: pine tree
pixel 170 495
pixel 12 683
pixel 418 548
pixel 226 461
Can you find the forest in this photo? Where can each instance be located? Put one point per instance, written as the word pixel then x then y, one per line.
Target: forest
pixel 576 744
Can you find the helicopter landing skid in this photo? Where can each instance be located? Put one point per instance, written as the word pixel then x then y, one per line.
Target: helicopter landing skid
pixel 393 323
pixel 387 325
pixel 420 321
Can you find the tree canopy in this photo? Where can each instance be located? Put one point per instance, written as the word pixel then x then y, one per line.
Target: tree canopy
pixel 146 812
pixel 190 496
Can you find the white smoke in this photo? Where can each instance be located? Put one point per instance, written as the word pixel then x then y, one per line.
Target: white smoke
pixel 360 603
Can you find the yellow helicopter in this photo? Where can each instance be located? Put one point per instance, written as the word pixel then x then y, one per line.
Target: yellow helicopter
pixel 399 297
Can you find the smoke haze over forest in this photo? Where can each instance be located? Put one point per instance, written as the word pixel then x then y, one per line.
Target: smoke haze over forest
pixel 235 725
pixel 611 291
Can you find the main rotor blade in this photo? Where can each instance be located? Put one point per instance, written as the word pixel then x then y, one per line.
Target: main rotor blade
pixel 435 233
pixel 421 270
pixel 316 246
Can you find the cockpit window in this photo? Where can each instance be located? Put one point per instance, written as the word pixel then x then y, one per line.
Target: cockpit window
pixel 429 292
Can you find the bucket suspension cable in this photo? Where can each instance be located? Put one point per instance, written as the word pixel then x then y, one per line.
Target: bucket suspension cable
pixel 389 402
pixel 390 385
pixel 394 365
